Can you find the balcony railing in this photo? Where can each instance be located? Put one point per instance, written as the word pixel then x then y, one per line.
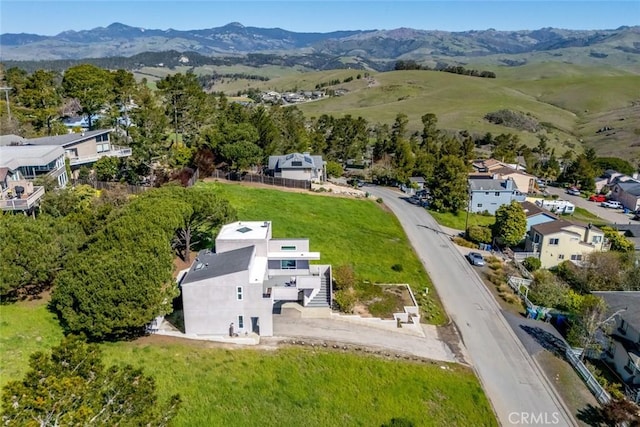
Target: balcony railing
pixel 23 204
pixel 114 152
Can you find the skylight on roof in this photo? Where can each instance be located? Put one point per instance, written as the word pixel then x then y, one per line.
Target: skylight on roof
pixel 244 230
pixel 308 159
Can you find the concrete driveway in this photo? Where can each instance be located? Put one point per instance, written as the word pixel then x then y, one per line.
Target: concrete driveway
pixel 614 216
pixel 513 381
pixel 430 347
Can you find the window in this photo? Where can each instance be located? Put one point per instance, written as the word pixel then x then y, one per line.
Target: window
pixel 479 205
pixel 287 248
pixel 288 264
pixel 486 193
pixel 103 137
pixel 497 194
pixel 576 257
pixel 631 366
pixel 623 326
pixel 239 293
pixel 596 240
pixel 296 163
pixel 554 241
pixel 240 322
pixel 536 238
pixel 561 256
pixel 101 148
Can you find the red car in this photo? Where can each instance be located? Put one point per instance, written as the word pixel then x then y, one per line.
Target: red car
pixel 597 198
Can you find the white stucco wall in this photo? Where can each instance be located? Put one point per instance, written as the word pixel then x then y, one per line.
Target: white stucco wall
pixel 213 304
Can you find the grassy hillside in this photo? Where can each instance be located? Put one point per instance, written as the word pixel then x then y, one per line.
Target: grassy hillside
pixel 242 387
pixel 572 100
pixel 344 231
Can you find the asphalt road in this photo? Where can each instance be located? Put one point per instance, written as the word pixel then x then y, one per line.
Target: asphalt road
pixel 513 382
pixel 614 216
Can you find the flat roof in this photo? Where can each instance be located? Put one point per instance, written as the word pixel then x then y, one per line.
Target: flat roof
pixel 66 139
pixel 245 230
pixel 15 156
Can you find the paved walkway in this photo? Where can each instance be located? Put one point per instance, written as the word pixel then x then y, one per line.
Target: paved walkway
pixel 431 347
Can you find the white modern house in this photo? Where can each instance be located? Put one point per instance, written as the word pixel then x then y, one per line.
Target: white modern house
pixel 236 287
pixel 298 166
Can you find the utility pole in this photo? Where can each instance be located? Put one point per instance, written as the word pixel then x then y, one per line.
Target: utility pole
pixel 6 97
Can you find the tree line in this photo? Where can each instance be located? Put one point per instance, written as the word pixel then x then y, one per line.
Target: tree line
pixel 455 69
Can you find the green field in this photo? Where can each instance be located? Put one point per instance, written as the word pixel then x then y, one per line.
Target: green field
pixel 280 387
pixel 459 220
pixel 345 231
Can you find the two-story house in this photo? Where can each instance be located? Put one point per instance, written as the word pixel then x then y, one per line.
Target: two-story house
pixel 489 194
pixel 622 344
pixel 19 165
pixel 561 240
pixel 247 274
pixel 84 148
pixel 627 193
pixel 298 166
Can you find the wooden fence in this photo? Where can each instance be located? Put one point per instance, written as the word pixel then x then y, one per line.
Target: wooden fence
pixel 104 185
pixel 263 179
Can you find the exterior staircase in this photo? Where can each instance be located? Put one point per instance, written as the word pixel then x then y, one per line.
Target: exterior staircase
pixel 323 297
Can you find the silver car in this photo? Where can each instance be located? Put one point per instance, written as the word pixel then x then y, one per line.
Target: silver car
pixel 475 258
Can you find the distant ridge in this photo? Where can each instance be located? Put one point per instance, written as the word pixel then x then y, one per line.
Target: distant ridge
pixel 234 38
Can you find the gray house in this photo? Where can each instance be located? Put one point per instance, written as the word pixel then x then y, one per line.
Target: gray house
pixel 298 166
pixel 627 193
pixel 489 194
pixel 622 345
pixel 244 278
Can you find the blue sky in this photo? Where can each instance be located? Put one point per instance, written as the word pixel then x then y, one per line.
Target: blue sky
pixel 52 17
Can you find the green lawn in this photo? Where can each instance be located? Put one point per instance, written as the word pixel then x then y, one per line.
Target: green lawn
pixel 24 328
pixel 246 387
pixel 458 221
pixel 581 214
pixel 344 231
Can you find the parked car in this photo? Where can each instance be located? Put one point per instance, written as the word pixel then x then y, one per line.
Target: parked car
pixel 475 258
pixel 573 191
pixel 612 204
pixel 599 198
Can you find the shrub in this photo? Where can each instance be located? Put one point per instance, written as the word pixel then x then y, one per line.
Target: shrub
pixel 464 243
pixel 397 267
pixel 479 234
pixel 344 277
pixel 379 200
pixel 334 169
pixel 532 263
pixel 345 300
pixel 514 119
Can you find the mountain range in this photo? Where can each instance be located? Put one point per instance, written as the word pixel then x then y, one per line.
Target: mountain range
pixel 389 45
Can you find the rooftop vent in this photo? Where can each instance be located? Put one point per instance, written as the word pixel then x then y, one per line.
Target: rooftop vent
pixel 265 224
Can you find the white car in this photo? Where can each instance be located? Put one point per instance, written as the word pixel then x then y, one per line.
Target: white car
pixel 611 204
pixel 573 192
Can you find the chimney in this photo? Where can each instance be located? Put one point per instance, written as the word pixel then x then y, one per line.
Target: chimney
pixel 508 184
pixel 587 233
